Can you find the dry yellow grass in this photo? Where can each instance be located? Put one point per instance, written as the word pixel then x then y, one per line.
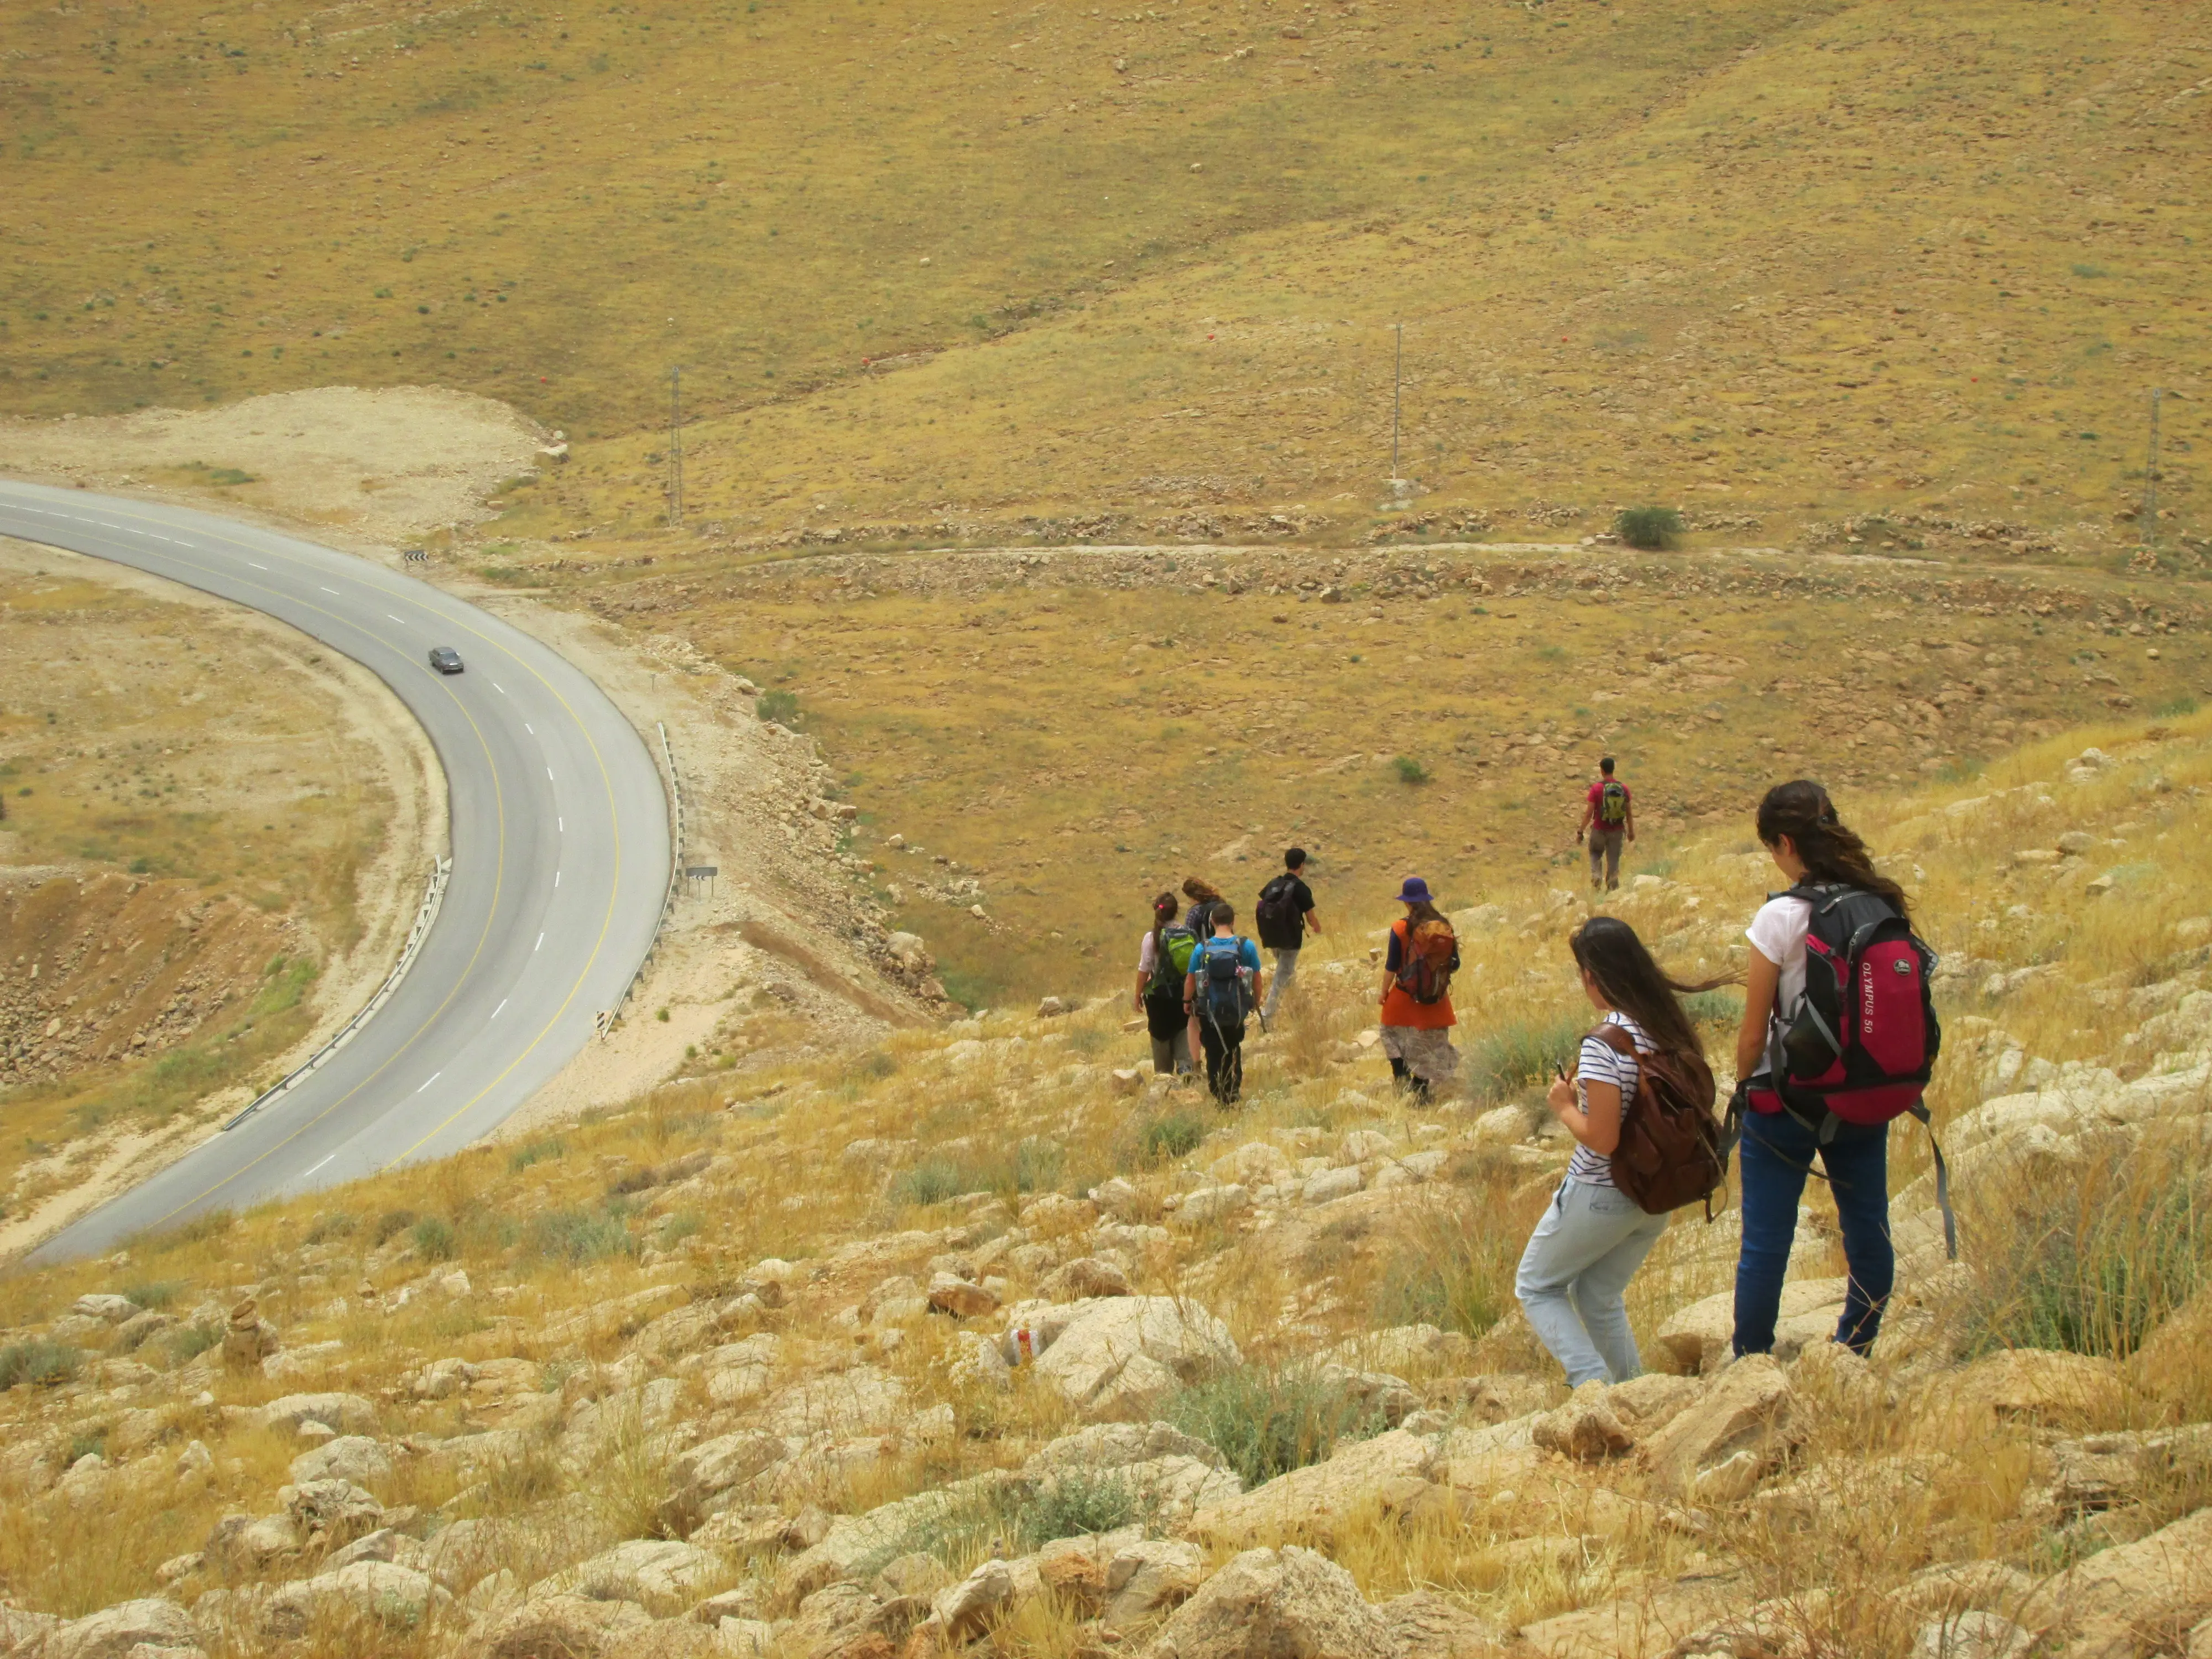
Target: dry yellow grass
pixel 1079 732
pixel 547 1233
pixel 1769 262
pixel 189 820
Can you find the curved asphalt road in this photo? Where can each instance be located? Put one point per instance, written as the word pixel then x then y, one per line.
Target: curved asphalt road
pixel 560 850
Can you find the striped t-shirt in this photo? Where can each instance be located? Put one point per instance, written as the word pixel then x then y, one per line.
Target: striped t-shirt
pixel 1601 1062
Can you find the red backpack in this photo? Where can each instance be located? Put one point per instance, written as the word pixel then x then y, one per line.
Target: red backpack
pixel 1426 956
pixel 1863 1041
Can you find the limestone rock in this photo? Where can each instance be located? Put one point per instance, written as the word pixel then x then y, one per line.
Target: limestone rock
pixel 341 1413
pixel 112 1632
pixel 1426 1626
pixel 331 1512
pixel 1085 1276
pixel 1585 1429
pixel 352 1457
pixel 1644 1624
pixel 1213 1204
pixel 965 1610
pixel 1698 1341
pixel 1312 1502
pixel 704 1479
pixel 652 1570
pixel 555 1627
pixel 2157 1584
pixel 852 1402
pixel 1719 1449
pixel 1255 1163
pixel 1327 1185
pixel 1971 1636
pixel 1147 1578
pixel 950 1294
pixel 1124 1354
pixel 2035 1384
pixel 1277 1604
pixel 2106 1471
pixel 109 1309
pixel 1406 1351
pixel 363 1592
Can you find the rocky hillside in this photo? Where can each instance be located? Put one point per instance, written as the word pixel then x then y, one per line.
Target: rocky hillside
pixel 984 1342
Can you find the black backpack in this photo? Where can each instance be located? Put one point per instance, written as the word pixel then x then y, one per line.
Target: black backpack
pixel 1280 924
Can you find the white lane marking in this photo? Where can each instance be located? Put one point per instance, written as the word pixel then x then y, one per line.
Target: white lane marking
pixel 528 727
pixel 331 591
pixel 497 687
pixel 549 770
pixel 541 941
pixel 395 619
pixel 560 826
pixel 434 1076
pixel 319 1166
pixel 258 567
pixel 501 1009
pixel 556 878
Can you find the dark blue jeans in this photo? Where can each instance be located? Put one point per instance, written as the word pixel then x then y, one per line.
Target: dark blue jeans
pixel 1777 1155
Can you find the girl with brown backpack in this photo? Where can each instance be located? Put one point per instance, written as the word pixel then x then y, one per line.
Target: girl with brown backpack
pixel 1596 1232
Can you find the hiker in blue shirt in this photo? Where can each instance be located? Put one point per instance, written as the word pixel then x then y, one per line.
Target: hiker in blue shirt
pixel 1223 985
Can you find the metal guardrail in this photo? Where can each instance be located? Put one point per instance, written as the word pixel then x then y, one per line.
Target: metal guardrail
pixel 425 913
pixel 676 831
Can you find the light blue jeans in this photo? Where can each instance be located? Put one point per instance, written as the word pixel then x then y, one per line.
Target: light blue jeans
pixel 1578 1262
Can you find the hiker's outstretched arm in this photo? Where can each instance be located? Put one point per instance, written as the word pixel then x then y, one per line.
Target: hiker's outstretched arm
pixel 1759 985
pixel 1313 923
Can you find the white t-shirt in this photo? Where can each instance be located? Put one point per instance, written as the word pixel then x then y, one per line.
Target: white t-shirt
pixel 1777 932
pixel 1148 953
pixel 1601 1062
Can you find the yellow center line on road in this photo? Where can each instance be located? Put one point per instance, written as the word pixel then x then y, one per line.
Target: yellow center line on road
pixel 606 920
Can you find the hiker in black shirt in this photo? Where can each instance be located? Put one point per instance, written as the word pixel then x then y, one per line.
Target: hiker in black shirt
pixel 1285 916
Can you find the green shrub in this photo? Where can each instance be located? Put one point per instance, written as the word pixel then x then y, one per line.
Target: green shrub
pixel 188 1342
pixel 1451 1272
pixel 1077 1502
pixel 391 1223
pixel 577 1237
pixel 154 1293
pixel 537 1152
pixel 2089 1261
pixel 932 1181
pixel 39 1360
pixel 1409 771
pixel 338 1224
pixel 87 1442
pixel 1175 1135
pixel 1515 1055
pixel 778 708
pixel 1649 527
pixel 432 1238
pixel 1269 1420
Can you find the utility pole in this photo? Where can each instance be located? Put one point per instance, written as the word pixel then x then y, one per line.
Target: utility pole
pixel 2150 476
pixel 676 448
pixel 1397 388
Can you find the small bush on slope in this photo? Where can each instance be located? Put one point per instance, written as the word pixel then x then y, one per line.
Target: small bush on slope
pixel 1268 1420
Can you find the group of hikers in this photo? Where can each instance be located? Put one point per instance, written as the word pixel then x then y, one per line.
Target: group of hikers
pixel 1837 1040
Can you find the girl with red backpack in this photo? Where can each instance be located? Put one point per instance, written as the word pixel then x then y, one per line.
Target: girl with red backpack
pixel 1416 995
pixel 1838 1039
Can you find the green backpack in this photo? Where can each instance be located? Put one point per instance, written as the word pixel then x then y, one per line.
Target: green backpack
pixel 1172 961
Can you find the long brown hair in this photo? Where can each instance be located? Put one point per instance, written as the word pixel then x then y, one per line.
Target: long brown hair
pixel 1421 911
pixel 1164 911
pixel 1831 852
pixel 1608 951
pixel 1199 890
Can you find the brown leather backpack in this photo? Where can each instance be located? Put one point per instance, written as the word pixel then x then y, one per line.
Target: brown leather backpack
pixel 1671 1150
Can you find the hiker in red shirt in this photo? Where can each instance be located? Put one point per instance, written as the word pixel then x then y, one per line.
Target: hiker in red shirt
pixel 1416 995
pixel 1608 816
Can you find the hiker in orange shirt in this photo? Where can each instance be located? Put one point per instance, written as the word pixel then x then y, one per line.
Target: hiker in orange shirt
pixel 1416 994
